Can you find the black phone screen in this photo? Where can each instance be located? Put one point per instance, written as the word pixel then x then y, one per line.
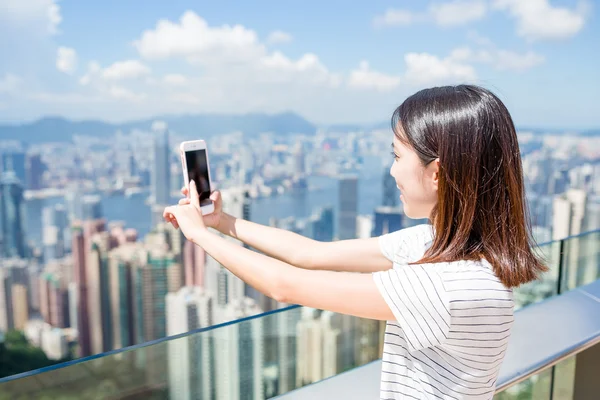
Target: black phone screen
pixel 197 169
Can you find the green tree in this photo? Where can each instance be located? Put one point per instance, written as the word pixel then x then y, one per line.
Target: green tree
pixel 17 355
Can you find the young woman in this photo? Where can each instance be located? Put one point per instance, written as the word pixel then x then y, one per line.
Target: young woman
pixel 445 288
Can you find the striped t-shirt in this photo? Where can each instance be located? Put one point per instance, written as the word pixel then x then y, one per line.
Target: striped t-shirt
pixel 452 324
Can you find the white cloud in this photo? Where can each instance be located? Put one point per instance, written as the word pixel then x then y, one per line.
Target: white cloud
pixel 93 70
pixel 194 40
pixel 276 67
pixel 125 70
pixel 32 13
pixel 184 98
pixel 498 58
pixel 365 78
pixel 229 52
pixel 279 37
pixel 66 60
pixel 509 60
pixel 426 69
pixel 9 83
pixel 54 18
pixel 394 17
pixel 479 39
pixel 538 20
pixel 122 93
pixel 101 81
pixel 458 12
pixel 175 79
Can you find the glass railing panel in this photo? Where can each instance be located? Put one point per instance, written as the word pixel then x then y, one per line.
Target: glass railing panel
pixel 581 260
pixel 255 358
pixel 537 387
pixel 547 285
pixel 547 385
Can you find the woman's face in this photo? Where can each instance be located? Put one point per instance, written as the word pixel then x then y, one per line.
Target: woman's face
pixel 417 183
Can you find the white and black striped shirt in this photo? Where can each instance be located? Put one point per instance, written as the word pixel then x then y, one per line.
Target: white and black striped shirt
pixel 452 324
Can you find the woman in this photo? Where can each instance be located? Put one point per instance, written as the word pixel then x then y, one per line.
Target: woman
pixel 445 288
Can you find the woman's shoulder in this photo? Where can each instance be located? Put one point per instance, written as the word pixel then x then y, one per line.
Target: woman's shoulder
pixel 408 244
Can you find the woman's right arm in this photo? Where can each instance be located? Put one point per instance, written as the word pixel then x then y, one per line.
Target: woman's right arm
pixel 355 255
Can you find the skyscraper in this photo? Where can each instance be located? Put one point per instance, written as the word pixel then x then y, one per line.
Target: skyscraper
pixel 98 292
pixel 387 219
pixel 239 351
pixel 161 171
pixel 54 226
pixel 12 234
pixel 299 160
pixel 390 190
pixel 568 215
pixel 15 287
pixel 348 207
pixel 155 286
pixel 34 170
pixel 54 293
pixel 364 226
pixel 13 160
pixel 82 235
pixel 91 207
pixel 191 358
pixel 20 306
pixel 122 263
pixel 6 305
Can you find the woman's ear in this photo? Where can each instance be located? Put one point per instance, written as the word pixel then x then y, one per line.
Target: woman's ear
pixel 436 172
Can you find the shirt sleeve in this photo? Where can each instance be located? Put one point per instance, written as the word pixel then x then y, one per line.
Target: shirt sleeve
pixel 418 299
pixel 399 246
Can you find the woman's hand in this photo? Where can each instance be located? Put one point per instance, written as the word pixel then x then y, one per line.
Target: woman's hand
pixel 213 219
pixel 187 217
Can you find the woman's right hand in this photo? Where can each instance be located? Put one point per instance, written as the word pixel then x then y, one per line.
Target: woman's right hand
pixel 213 219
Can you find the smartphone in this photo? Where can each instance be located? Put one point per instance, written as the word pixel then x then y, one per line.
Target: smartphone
pixel 194 160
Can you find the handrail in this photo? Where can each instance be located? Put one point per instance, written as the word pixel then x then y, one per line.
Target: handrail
pixel 569 237
pixel 579 304
pixel 571 352
pixel 145 344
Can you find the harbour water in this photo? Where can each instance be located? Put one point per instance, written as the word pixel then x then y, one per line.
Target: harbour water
pixel 136 213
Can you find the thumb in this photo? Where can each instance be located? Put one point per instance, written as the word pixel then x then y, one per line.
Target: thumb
pixel 194 197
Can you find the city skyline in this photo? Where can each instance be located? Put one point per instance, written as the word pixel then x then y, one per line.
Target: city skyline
pixel 294 105
pixel 241 59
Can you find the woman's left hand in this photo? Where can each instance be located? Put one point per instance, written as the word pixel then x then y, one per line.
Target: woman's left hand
pixel 188 217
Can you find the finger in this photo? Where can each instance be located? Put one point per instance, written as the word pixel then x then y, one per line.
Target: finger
pixel 194 198
pixel 184 201
pixel 214 196
pixel 184 191
pixel 169 213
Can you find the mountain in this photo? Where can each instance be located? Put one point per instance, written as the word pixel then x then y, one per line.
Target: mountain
pixel 191 126
pixel 57 129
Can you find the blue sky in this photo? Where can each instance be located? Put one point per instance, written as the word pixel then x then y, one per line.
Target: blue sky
pixel 332 62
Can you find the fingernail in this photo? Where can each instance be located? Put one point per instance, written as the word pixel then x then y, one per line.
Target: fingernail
pixel 192 183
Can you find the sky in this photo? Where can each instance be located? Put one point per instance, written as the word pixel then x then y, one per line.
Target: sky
pixel 329 61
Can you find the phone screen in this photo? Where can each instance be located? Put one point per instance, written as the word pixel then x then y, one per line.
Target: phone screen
pixel 198 171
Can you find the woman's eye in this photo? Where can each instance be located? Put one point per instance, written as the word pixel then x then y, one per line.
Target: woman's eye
pixel 395 155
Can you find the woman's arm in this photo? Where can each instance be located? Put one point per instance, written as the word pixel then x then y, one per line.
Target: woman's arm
pixel 356 255
pixel 346 293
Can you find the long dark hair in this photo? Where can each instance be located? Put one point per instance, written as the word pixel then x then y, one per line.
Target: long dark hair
pixel 481 210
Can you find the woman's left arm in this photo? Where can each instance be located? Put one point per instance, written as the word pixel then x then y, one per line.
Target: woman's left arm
pixel 342 292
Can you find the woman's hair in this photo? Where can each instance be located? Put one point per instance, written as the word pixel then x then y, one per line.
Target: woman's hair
pixel 481 210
